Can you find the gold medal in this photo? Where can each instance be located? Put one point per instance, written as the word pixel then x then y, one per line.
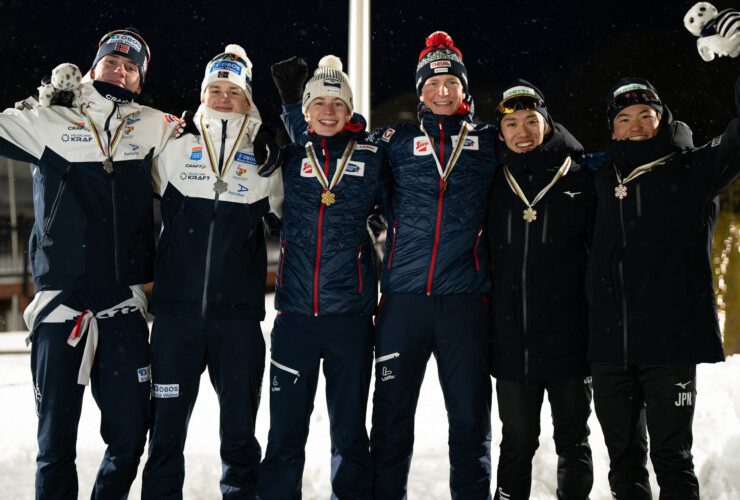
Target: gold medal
pixel 327 198
pixel 444 186
pixel 530 214
pixel 620 191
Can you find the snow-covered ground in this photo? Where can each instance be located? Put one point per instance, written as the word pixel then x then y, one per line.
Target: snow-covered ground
pixel 716 438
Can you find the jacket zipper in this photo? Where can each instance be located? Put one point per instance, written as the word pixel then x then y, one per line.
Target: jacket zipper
pixel 113 198
pixel 318 240
pixel 475 248
pixel 282 262
pixel 212 227
pixel 390 257
pixel 55 204
pixel 439 209
pixel 359 268
pixel 287 369
pixel 544 223
pixel 625 358
pixel 525 312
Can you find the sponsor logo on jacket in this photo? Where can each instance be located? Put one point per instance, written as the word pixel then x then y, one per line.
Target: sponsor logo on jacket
pixel 196 153
pixel 306 168
pixel 194 177
pixel 471 142
pixel 76 138
pixel 227 66
pixel 134 150
pixel 144 374
pixel 422 147
pixel 164 391
pixel 125 39
pixel 366 147
pixel 356 168
pixel 245 158
pixel 240 171
pixel 387 134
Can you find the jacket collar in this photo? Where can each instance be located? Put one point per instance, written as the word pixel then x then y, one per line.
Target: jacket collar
pixel 345 135
pixel 213 120
pixel 547 157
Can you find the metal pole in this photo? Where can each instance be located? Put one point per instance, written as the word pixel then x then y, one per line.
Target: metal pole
pixel 359 56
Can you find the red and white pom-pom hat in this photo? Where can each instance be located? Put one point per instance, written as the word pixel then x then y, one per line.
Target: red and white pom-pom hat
pixel 440 57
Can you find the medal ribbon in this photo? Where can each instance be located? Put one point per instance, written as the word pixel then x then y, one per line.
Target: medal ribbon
pixel 116 137
pixel 642 169
pixel 319 172
pixel 518 191
pixel 444 174
pixel 211 152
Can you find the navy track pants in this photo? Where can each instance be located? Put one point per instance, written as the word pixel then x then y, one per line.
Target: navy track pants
pixel 654 399
pixel 519 408
pixel 234 352
pixel 410 328
pixel 118 387
pixel 299 342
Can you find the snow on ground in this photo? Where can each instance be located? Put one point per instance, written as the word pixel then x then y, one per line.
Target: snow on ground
pixel 716 438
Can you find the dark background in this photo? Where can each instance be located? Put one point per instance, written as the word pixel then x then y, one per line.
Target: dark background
pixel 573 51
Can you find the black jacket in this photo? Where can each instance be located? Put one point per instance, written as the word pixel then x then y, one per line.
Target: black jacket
pixel 650 276
pixel 539 305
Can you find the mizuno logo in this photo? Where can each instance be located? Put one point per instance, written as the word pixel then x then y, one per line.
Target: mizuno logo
pixel 683 385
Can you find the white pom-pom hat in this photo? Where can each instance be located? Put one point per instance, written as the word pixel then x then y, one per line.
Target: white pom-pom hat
pixel 328 81
pixel 233 66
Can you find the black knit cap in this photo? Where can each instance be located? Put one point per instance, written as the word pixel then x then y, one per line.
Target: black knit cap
pixel 440 57
pixel 128 43
pixel 630 91
pixel 520 88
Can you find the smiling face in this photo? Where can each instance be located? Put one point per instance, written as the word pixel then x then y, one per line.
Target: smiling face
pixel 226 97
pixel 117 70
pixel 638 122
pixel 523 130
pixel 327 116
pixel 442 94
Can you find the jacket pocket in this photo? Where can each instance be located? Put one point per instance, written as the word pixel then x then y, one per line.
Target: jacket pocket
pixel 385 368
pixel 55 204
pixel 286 369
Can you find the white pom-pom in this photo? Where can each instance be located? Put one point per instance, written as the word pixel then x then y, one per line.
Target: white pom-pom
pixel 66 77
pixel 331 62
pixel 233 48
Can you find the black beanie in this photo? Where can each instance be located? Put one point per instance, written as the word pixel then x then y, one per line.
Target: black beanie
pixel 630 91
pixel 128 43
pixel 440 57
pixel 519 88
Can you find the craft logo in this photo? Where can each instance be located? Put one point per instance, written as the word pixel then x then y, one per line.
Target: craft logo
pixel 77 126
pixel 440 64
pixel 164 391
pixel 387 134
pixel 245 158
pixel 240 171
pixel 144 374
pixel 227 66
pixel 125 39
pixel 121 47
pixel 76 138
pixel 197 153
pixel 192 165
pixel 194 177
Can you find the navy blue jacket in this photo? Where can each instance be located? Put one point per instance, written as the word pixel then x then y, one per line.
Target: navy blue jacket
pixel 540 312
pixel 327 259
pixel 436 243
pixel 650 275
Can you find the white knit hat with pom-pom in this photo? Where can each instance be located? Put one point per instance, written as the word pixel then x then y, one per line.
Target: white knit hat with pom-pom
pixel 328 81
pixel 233 66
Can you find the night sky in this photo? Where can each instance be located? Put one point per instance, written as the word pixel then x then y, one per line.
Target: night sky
pixel 573 51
